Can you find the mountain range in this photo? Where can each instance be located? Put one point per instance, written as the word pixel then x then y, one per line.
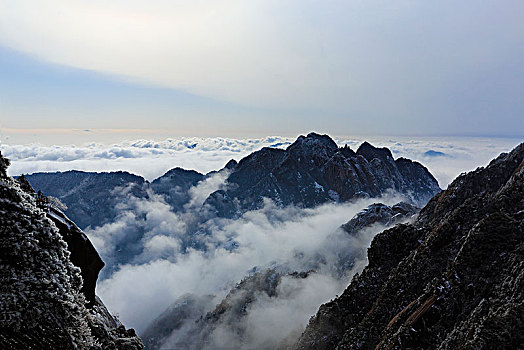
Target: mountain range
pixel 311 171
pixel 450 276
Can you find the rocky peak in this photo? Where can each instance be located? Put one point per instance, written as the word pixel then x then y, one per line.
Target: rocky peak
pixel 313 170
pixel 231 164
pixel 379 213
pixel 347 152
pixel 371 152
pixel 179 172
pixel 313 145
pixel 453 279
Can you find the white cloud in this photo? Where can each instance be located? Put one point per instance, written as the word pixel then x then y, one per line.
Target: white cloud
pixel 201 192
pixel 152 159
pixel 299 239
pixel 148 158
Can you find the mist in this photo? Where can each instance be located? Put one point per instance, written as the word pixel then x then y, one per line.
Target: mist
pixel 154 256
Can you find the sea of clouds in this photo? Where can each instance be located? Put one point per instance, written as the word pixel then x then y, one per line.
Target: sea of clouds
pixel 169 254
pixel 444 157
pixel 288 239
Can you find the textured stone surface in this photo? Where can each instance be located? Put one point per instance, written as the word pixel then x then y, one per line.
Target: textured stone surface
pixel 452 279
pixel 313 170
pixel 43 305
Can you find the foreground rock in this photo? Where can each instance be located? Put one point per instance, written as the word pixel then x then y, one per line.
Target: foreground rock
pixel 42 303
pixel 452 279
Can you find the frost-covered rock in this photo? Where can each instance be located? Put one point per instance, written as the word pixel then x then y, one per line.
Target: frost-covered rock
pixel 41 302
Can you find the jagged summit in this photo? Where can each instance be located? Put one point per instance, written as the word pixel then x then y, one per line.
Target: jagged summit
pixel 312 142
pixel 452 279
pixel 371 152
pixel 311 171
pixel 314 170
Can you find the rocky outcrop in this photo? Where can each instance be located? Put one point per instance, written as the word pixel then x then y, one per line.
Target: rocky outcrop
pixel 379 213
pixel 91 198
pixel 452 279
pixel 314 170
pixel 42 304
pixel 174 186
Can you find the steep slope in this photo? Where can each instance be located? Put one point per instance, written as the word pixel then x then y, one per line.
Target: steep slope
pixel 42 303
pixel 314 170
pixel 452 279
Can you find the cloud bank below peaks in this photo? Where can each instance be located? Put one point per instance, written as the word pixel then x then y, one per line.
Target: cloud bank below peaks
pixel 163 266
pixel 445 157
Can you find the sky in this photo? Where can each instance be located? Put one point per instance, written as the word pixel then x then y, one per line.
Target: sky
pixel 256 68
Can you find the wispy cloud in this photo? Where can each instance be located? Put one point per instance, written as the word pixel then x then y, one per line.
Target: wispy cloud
pixel 294 238
pixel 435 67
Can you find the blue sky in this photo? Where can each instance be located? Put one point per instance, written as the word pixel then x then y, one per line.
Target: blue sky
pixel 237 68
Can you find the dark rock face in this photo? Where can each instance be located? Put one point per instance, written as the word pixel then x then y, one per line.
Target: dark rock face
pixel 83 253
pixel 452 279
pixel 174 185
pixel 91 198
pixel 42 304
pixel 379 213
pixel 313 170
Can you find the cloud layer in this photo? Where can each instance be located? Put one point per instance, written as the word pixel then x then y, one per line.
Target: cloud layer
pixel 291 238
pixel 444 157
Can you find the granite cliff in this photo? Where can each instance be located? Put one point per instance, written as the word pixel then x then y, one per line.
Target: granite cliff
pixel 452 279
